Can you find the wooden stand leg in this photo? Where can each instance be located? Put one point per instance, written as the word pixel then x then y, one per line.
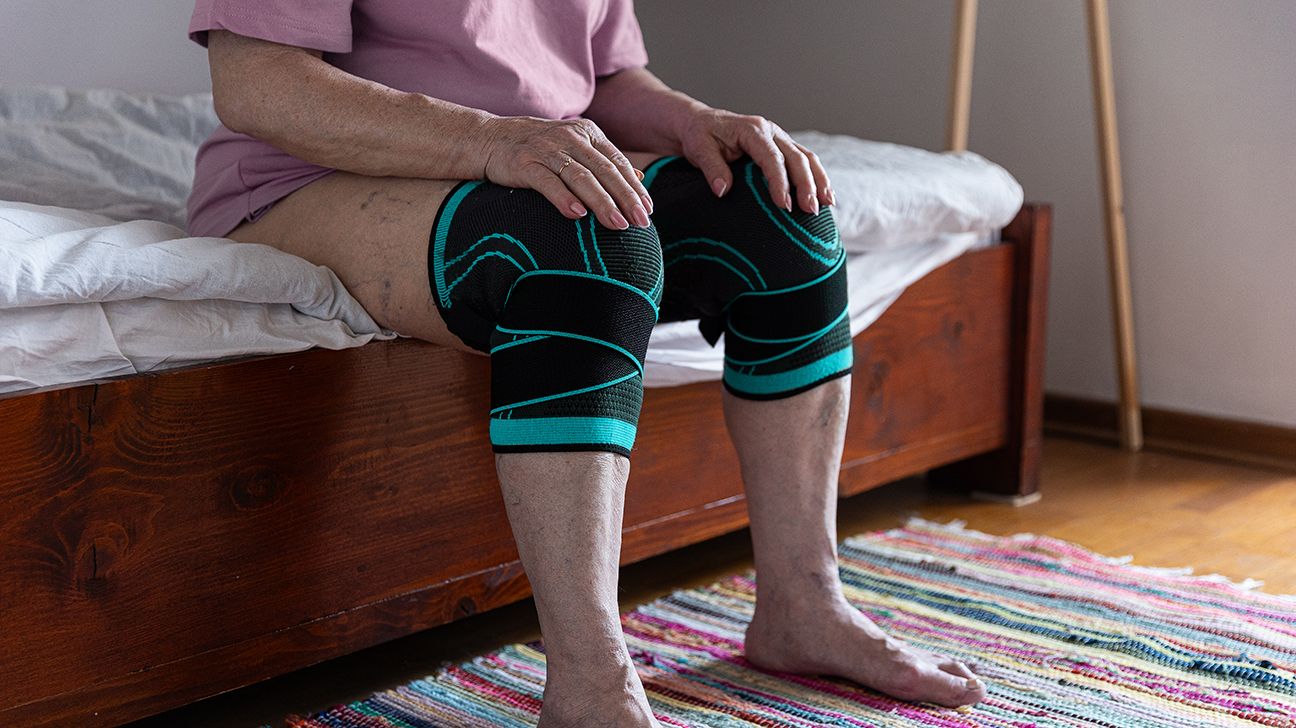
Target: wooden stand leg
pixel 1011 473
pixel 1131 419
pixel 961 75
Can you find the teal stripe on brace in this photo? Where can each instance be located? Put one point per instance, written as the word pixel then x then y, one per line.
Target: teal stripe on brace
pixel 793 379
pixel 811 340
pixel 578 274
pixel 828 246
pixel 651 173
pixel 701 256
pixel 565 335
pixel 560 395
pixel 563 431
pixel 841 260
pixel 594 242
pixel 492 236
pixel 812 335
pixel 516 342
pixel 478 259
pixel 722 245
pixel 439 242
pixel 580 243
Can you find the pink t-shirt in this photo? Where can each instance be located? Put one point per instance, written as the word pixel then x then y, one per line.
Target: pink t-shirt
pixel 508 57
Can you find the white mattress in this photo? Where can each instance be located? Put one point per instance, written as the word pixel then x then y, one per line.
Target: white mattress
pixel 88 290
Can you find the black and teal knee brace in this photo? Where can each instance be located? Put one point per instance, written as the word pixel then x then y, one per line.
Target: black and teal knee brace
pixel 564 308
pixel 773 282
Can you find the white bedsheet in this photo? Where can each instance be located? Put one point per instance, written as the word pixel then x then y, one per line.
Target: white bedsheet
pixel 94 292
pixel 677 353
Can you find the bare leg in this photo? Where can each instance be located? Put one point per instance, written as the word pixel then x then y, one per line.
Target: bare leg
pixel 566 511
pixel 565 508
pixel 790 451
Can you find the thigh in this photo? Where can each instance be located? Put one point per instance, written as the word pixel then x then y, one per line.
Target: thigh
pixel 373 233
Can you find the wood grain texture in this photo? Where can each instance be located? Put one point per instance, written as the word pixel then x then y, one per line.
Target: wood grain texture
pixel 168 537
pixel 1013 470
pixel 929 370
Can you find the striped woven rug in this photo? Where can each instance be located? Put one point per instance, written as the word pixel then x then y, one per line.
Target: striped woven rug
pixel 1061 635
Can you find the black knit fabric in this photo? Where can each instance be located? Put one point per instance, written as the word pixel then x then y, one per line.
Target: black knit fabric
pixel 565 308
pixel 742 264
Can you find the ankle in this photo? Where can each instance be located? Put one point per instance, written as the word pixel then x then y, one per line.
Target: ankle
pixel 606 667
pixel 587 697
pixel 805 593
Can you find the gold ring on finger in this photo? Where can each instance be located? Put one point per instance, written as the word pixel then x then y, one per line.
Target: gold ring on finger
pixel 564 166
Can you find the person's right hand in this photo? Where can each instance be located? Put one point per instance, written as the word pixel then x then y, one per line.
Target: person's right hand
pixel 570 162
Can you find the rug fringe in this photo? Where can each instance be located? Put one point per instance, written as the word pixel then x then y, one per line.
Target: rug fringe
pixel 959 526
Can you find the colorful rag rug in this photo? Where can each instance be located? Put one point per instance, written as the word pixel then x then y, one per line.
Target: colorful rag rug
pixel 1061 635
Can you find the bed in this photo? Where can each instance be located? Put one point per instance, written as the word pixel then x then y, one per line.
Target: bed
pixel 221 470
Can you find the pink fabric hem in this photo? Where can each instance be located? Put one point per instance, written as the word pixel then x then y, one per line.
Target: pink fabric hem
pixel 218 219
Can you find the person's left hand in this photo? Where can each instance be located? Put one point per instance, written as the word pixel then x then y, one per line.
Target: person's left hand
pixel 711 138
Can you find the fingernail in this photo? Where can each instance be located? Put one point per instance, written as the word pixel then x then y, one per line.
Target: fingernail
pixel 973 683
pixel 647 202
pixel 787 201
pixel 814 204
pixel 579 209
pixel 619 221
pixel 832 196
pixel 719 186
pixel 639 174
pixel 641 216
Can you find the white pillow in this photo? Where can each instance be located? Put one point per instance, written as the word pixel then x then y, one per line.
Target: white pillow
pixel 889 195
pixel 123 155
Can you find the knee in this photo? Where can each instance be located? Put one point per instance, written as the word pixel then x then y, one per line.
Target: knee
pixel 498 253
pixel 806 245
pixel 564 307
pixel 792 332
pixel 745 237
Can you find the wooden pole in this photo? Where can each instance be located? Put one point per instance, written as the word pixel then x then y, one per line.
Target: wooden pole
pixel 961 75
pixel 1131 418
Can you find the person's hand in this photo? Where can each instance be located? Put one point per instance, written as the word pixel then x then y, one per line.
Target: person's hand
pixel 572 164
pixel 711 138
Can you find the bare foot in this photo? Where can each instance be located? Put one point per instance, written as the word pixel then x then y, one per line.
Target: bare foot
pixel 596 701
pixel 842 642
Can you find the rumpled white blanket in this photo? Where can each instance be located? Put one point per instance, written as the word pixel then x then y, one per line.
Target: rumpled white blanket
pixel 85 297
pixel 113 286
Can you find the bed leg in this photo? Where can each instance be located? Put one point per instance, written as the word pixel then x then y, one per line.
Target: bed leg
pixel 1011 473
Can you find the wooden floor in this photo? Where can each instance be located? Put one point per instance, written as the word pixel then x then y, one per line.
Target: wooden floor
pixel 1164 509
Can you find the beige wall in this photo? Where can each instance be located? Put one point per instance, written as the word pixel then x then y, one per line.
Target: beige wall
pixel 1206 100
pixel 138 45
pixel 1206 95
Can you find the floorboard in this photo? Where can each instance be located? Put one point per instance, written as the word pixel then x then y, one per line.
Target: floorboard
pixel 1163 509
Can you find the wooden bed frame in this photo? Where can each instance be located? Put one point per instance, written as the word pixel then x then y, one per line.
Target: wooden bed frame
pixel 168 537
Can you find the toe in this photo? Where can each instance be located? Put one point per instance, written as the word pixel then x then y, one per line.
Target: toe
pixel 953 690
pixel 955 667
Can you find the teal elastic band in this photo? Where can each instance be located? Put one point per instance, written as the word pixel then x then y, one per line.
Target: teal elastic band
pixel 563 431
pixel 793 379
pixel 811 340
